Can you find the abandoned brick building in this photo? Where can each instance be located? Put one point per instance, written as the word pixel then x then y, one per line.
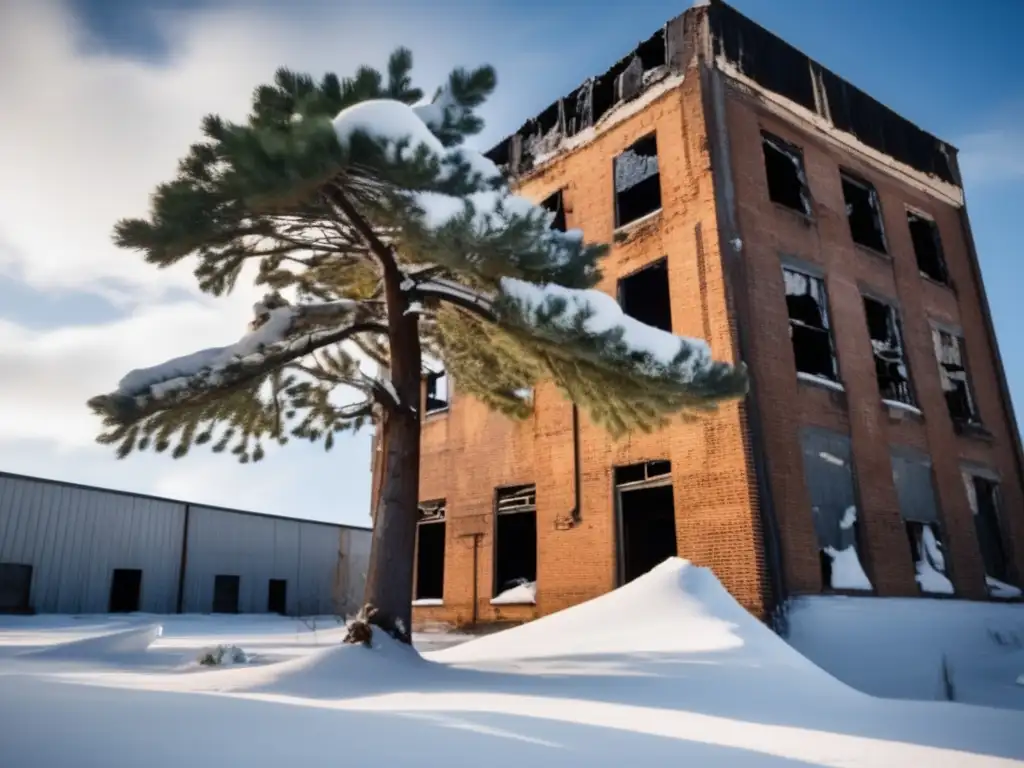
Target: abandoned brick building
pixel 755 199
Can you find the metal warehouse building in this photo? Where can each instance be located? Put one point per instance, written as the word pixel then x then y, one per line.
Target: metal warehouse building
pixel 68 548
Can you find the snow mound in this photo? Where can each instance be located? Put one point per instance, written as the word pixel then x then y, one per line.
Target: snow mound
pixel 127 642
pixel 521 594
pixel 675 608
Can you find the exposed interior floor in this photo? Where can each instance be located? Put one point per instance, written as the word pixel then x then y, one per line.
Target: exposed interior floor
pixel 667 669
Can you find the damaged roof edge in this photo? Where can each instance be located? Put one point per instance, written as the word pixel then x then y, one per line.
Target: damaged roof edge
pixel 754 52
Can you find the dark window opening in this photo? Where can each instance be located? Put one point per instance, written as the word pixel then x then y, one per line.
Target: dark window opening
pixel 927 247
pixel 125 590
pixel 808 325
pixel 556 204
pixel 648 529
pixel 642 472
pixel 430 533
pixel 784 166
pixel 515 546
pixel 15 587
pixel 644 295
pixel 864 213
pixel 984 498
pixel 887 346
pixel 437 391
pixel 637 181
pixel 225 593
pixel 953 373
pixel 929 557
pixel 919 510
pixel 277 596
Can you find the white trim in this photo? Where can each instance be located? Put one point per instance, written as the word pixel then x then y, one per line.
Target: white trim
pixel 902 406
pixel 810 378
pixel 427 602
pixel 623 228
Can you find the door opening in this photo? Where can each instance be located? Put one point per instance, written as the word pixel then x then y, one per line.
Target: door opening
pixel 15 587
pixel 647 529
pixel 125 590
pixel 225 593
pixel 277 596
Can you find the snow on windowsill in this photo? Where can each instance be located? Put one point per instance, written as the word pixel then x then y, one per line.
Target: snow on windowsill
pixel 1000 589
pixel 523 594
pixel 931 581
pixel 629 226
pixel 821 381
pixel 902 407
pixel 427 602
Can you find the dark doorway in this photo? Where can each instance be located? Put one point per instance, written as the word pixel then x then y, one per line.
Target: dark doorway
pixel 430 531
pixel 277 596
pixel 515 545
pixel 15 587
pixel 648 529
pixel 225 594
pixel 125 590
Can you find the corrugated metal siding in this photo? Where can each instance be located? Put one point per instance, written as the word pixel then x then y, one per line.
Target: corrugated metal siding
pixel 257 549
pixel 829 475
pixel 75 537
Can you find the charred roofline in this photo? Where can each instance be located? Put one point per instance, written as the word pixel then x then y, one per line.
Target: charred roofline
pixel 757 54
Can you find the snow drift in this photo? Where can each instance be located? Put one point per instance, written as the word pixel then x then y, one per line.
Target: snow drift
pixel 127 642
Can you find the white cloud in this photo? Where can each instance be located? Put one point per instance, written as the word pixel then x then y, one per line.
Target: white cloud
pixel 992 156
pixel 83 140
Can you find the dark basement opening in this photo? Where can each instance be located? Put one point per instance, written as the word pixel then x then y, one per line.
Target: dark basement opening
pixel 887 347
pixel 637 181
pixel 864 213
pixel 644 295
pixel 277 596
pixel 430 535
pixel 125 590
pixel 927 247
pixel 809 326
pixel 515 547
pixel 784 167
pixel 225 593
pixel 15 587
pixel 647 520
pixel 919 551
pixel 555 204
pixel 989 531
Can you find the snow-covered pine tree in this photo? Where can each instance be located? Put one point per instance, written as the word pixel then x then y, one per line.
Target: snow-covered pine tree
pixel 383 239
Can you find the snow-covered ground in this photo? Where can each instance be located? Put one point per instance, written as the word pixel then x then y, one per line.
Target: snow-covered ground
pixel 916 648
pixel 668 669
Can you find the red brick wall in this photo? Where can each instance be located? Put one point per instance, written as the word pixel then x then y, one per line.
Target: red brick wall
pixel 769 230
pixel 468 452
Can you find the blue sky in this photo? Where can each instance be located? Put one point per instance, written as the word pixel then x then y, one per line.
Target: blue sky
pixel 116 92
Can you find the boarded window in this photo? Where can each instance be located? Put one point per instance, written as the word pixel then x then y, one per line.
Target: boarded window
pixel 225 593
pixel 430 536
pixel 637 181
pixel 277 596
pixel 887 347
pixel 644 295
pixel 809 325
pixel 927 247
pixel 555 204
pixel 15 587
pixel 919 509
pixel 828 472
pixel 784 168
pixel 983 494
pixel 949 352
pixel 125 590
pixel 515 546
pixel 437 391
pixel 863 212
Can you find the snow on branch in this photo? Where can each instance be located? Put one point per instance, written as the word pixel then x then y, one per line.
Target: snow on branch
pixel 279 333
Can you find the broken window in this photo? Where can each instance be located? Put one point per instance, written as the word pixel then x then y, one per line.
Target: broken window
pixel 515 546
pixel 555 204
pixel 277 596
pixel 927 247
pixel 919 510
pixel 125 590
pixel 887 346
pixel 646 517
pixel 225 593
pixel 637 181
pixel 784 167
pixel 828 472
pixel 952 361
pixel 863 212
pixel 983 495
pixel 430 534
pixel 437 391
pixel 644 295
pixel 809 326
pixel 15 587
